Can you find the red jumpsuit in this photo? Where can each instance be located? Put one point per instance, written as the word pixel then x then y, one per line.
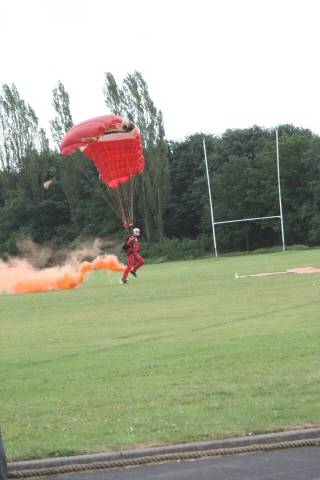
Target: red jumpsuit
pixel 135 261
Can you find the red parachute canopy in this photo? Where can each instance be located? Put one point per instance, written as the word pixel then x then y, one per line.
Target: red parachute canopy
pixel 112 143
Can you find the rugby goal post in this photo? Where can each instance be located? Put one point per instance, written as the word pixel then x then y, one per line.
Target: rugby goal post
pixel 280 216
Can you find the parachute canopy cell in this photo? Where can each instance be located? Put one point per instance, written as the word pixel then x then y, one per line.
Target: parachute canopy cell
pixel 112 143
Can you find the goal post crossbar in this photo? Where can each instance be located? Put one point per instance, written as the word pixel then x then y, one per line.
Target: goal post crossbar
pixel 247 219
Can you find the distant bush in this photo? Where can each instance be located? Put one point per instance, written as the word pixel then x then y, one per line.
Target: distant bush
pixel 170 249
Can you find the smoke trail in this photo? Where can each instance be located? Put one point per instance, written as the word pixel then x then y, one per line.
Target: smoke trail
pixel 43 256
pixel 106 262
pixel 20 276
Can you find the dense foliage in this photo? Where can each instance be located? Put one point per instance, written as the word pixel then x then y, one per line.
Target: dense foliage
pixel 172 195
pixel 244 184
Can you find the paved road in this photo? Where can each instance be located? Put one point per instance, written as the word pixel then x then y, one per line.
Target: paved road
pixel 289 464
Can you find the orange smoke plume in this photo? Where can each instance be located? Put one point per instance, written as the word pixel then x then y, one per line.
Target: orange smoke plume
pixel 107 262
pixel 19 276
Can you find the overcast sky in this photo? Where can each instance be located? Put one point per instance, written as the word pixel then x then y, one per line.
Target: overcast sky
pixel 210 65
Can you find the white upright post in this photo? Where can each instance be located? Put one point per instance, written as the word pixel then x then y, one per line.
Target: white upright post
pixel 279 189
pixel 210 199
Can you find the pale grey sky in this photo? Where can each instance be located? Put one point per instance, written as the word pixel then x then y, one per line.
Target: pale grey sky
pixel 210 65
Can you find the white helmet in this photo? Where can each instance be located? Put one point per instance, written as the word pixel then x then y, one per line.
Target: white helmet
pixel 136 231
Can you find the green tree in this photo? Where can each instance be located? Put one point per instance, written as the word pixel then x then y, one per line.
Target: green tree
pixel 19 128
pixel 69 168
pixel 63 119
pixel 298 173
pixel 310 209
pixel 114 96
pixel 189 196
pixel 21 143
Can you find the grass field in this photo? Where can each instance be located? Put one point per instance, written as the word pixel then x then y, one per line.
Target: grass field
pixel 183 353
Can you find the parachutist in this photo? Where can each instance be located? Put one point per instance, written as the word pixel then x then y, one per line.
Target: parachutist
pixel 135 261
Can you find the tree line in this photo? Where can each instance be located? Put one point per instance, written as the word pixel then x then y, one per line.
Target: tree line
pixel 244 181
pixel 172 193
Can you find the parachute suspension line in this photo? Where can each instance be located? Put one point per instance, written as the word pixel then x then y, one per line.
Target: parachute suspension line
pixel 116 198
pixel 132 182
pixel 125 195
pixel 115 204
pixel 108 198
pixel 81 167
pixel 122 203
pixel 107 195
pixel 126 191
pixel 130 191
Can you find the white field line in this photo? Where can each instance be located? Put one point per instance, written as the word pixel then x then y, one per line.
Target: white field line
pixel 290 270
